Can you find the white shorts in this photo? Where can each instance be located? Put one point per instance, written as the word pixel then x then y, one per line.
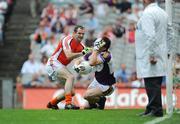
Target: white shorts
pixel 52 67
pixel 103 88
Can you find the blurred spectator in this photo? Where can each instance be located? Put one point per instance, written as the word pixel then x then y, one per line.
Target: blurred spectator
pixel 124 6
pixel 118 28
pixel 176 78
pixel 42 33
pixel 137 8
pixel 42 70
pixel 92 23
pixel 61 16
pixel 49 11
pixel 177 66
pixel 122 75
pixel 46 21
pixel 30 71
pixel 89 41
pixel 137 4
pixel 11 4
pixel 57 28
pixel 66 31
pixel 177 61
pixel 130 16
pixel 101 10
pixel 71 14
pixel 110 3
pixel 134 81
pixel 33 73
pixel 44 80
pixel 3 10
pixel 86 7
pixel 131 33
pixel 49 47
pixel 30 66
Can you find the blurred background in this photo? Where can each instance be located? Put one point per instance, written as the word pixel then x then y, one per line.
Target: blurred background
pixel 31 29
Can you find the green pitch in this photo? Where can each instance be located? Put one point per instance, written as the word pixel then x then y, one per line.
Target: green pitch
pixel 118 116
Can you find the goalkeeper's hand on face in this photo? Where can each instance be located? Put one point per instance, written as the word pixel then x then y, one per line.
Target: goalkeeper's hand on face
pixel 86 50
pixel 98 44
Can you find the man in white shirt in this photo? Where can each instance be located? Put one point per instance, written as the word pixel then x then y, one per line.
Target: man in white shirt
pixel 151 54
pixel 30 70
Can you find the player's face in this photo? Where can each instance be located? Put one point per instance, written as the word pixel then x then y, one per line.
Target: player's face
pixel 79 35
pixel 102 49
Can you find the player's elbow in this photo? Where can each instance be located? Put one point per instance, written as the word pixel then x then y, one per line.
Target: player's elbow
pixel 68 54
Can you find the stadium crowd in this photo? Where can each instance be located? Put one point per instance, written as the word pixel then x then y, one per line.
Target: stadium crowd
pixel 57 20
pixel 6 7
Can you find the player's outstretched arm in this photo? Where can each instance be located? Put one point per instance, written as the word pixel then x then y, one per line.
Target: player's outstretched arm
pixel 70 55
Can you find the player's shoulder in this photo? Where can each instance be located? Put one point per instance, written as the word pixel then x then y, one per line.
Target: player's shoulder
pixel 67 38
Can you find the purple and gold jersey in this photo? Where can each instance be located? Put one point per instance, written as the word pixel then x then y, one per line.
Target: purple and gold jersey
pixel 103 72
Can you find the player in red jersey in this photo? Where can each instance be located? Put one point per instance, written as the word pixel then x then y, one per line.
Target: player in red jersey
pixel 69 48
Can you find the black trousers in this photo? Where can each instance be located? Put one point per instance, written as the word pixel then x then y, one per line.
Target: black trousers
pixel 153 90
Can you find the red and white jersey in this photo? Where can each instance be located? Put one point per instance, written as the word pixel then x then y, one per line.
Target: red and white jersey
pixel 66 43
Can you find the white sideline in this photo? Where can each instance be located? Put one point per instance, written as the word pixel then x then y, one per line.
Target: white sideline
pixel 157 120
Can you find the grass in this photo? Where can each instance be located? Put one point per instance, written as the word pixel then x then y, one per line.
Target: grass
pixel 118 116
pixel 175 119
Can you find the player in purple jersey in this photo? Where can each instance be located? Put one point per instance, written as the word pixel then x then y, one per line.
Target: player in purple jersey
pixel 102 85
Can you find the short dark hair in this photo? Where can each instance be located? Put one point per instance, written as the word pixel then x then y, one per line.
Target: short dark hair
pixel 107 42
pixel 77 27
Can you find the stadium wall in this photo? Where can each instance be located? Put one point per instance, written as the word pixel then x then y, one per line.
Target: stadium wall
pixel 37 98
